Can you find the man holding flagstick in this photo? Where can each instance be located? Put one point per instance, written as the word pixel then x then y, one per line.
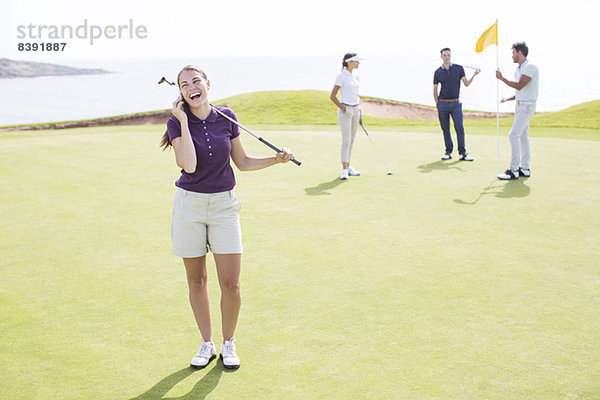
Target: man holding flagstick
pixel 526 83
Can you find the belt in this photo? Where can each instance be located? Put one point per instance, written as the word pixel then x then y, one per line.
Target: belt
pixel 184 192
pixel 448 100
pixel 351 105
pixel 526 102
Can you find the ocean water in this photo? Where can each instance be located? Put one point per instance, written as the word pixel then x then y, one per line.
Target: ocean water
pixel 132 84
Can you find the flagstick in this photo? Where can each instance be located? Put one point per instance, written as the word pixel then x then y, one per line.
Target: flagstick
pixel 497 109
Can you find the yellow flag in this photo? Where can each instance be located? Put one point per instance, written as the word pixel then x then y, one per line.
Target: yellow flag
pixel 488 38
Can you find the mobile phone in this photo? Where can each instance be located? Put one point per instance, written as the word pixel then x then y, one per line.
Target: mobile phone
pixel 185 104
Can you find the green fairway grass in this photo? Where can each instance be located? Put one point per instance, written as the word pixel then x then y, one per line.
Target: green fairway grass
pixel 437 282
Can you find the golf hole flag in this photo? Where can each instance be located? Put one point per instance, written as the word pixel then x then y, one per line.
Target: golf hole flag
pixel 488 38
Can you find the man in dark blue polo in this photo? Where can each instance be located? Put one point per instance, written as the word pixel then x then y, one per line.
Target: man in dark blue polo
pixel 450 75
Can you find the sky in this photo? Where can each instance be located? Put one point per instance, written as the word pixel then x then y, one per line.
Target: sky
pixel 561 35
pixel 563 29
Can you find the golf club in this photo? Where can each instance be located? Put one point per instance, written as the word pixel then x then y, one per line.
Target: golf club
pixel 389 172
pixel 163 79
pixel 277 149
pixel 436 60
pixel 466 66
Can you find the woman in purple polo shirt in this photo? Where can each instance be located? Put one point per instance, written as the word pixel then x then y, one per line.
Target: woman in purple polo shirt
pixel 205 210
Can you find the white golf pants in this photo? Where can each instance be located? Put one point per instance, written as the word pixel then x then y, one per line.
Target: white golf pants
pixel 348 125
pixel 519 137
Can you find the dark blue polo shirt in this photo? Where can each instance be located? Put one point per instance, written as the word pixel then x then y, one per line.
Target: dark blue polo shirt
pixel 450 80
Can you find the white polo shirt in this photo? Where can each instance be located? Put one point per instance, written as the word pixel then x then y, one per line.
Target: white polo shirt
pixel 530 91
pixel 348 84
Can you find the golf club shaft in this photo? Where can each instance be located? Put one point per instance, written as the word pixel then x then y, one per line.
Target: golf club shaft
pixel 466 66
pixel 277 149
pixel 375 147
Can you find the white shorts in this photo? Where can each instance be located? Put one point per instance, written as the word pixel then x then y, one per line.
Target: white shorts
pixel 203 220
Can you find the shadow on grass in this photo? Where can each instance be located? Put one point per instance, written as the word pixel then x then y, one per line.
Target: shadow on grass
pixel 503 189
pixel 439 165
pixel 201 389
pixel 322 188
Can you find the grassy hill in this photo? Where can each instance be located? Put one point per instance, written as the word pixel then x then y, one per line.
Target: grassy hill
pixel 297 108
pixel 313 107
pixel 291 107
pixel 584 115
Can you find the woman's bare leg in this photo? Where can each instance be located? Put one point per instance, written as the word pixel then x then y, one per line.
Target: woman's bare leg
pixel 195 269
pixel 228 271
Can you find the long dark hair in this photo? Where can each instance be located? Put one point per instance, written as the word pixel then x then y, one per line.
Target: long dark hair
pixel 347 56
pixel 165 142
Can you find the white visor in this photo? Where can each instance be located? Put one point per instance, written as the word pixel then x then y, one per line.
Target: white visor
pixel 355 58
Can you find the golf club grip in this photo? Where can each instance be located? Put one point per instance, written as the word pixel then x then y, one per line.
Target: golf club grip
pixel 364 129
pixel 278 150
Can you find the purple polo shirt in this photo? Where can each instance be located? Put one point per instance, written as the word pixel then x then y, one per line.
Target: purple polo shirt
pixel 212 141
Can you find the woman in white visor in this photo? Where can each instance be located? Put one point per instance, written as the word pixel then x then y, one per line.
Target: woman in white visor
pixel 348 113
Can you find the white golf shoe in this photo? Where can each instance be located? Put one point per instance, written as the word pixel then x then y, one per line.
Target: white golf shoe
pixel 524 172
pixel 509 175
pixel 353 172
pixel 229 356
pixel 344 174
pixel 207 353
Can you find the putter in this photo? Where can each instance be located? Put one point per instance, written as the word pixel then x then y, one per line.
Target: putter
pixel 389 172
pixel 277 149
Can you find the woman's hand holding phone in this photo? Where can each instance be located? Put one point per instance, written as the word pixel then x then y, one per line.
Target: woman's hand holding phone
pixel 178 111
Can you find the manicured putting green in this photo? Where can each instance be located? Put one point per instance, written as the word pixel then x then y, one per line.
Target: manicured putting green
pixel 437 282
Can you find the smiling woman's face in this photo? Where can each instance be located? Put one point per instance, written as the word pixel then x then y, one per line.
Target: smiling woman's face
pixel 194 87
